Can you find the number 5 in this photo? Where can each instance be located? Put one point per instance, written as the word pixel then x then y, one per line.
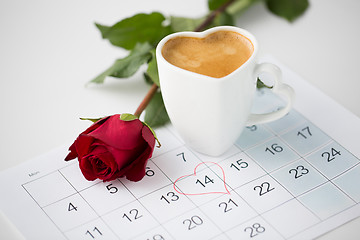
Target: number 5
pixel 111 189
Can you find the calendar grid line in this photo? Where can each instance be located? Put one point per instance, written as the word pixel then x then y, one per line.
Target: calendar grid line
pixel 304 158
pixel 195 205
pixel 198 207
pixel 343 192
pixel 150 192
pixel 42 210
pixel 301 157
pixel 322 221
pixel 288 129
pixel 285 179
pixel 159 223
pixel 59 200
pixel 345 171
pixel 326 134
pixel 293 196
pixel 46 174
pixel 79 193
pixel 337 175
pixel 258 214
pixel 309 153
pixel 355 202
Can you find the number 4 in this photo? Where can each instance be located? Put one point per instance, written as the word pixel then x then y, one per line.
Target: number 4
pixel 71 207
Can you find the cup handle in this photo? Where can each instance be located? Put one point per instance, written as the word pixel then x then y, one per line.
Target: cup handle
pixel 278 88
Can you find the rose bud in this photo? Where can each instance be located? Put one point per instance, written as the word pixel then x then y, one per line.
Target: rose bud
pixel 112 148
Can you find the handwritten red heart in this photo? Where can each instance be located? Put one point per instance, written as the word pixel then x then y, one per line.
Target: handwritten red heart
pixel 194 175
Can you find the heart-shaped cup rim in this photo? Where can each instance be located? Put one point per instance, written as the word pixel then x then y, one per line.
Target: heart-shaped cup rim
pixel 201 35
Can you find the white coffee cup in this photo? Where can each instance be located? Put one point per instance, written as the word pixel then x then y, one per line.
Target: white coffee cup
pixel 210 113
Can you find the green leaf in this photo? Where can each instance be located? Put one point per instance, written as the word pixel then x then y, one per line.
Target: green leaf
pixel 239 6
pixel 261 84
pixel 215 4
pixel 155 114
pixel 94 120
pixel 153 132
pixel 148 79
pixel 126 67
pixel 288 9
pixel 127 117
pixel 152 70
pixel 179 24
pixel 224 19
pixel 138 28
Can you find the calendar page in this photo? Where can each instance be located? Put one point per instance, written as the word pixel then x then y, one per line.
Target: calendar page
pixel 295 178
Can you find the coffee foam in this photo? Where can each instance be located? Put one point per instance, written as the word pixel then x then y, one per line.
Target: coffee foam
pixel 216 55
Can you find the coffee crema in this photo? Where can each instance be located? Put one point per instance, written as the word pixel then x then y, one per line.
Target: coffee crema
pixel 216 55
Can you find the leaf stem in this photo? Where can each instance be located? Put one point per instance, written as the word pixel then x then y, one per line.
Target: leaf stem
pixel 201 27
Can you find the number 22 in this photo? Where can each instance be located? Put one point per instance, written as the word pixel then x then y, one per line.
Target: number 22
pixel 264 188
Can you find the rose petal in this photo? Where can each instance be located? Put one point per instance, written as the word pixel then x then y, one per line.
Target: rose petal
pixel 99 163
pixel 124 158
pixel 102 152
pixel 87 169
pixel 95 125
pixel 73 148
pixel 136 171
pixel 83 145
pixel 73 153
pixel 118 133
pixel 148 137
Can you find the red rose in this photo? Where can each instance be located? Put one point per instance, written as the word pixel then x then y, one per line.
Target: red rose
pixel 113 148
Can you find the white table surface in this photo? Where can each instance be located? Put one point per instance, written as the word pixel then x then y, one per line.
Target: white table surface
pixel 50 49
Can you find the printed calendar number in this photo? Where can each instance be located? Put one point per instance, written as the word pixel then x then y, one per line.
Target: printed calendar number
pixel 299 171
pixel 252 128
pixel 182 155
pixel 94 233
pixel 72 207
pixel 305 132
pixel 156 237
pixel 228 206
pixel 275 148
pixel 239 165
pixel 149 172
pixel 330 155
pixel 112 189
pixel 170 197
pixel 264 188
pixel 133 215
pixel 255 230
pixel 193 222
pixel 206 181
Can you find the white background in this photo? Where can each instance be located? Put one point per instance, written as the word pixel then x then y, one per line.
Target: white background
pixel 50 49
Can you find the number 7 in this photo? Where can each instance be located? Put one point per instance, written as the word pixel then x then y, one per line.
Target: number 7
pixel 182 155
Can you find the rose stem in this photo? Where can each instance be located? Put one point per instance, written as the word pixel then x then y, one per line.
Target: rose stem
pixel 212 16
pixel 146 100
pixel 201 27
